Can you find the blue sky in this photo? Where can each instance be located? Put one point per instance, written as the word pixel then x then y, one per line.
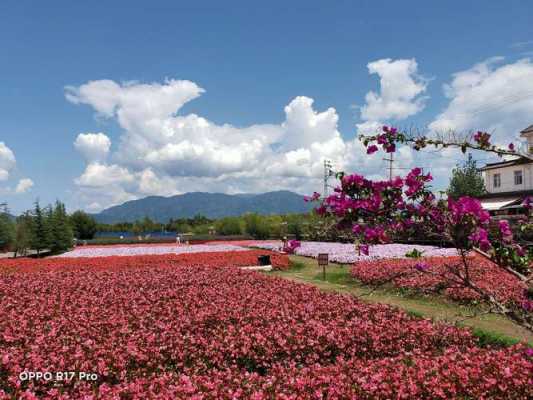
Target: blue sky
pixel 252 59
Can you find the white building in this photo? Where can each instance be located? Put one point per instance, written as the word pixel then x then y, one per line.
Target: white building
pixel 509 182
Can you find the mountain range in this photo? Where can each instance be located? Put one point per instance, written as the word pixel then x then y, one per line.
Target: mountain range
pixel 211 205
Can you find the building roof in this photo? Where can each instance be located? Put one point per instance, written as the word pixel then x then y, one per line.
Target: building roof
pixel 527 131
pixel 506 195
pixel 500 202
pixel 501 164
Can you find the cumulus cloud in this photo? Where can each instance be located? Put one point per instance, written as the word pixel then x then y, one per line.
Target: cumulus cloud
pixel 24 185
pixel 304 126
pixel 400 95
pixel 163 152
pixel 7 161
pixel 93 146
pixel 7 165
pixel 489 96
pixel 133 102
pixel 98 175
pixel 401 87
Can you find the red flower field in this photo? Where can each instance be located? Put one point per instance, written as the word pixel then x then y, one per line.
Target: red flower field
pixel 212 259
pixel 403 274
pixel 193 327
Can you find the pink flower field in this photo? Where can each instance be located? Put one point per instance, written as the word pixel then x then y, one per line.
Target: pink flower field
pixel 404 274
pixel 192 326
pixel 346 253
pixel 135 250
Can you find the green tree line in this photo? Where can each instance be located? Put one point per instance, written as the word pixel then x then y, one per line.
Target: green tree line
pixel 51 229
pixel 41 229
pixel 255 225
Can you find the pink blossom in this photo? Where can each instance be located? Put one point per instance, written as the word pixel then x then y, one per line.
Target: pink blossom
pixel 314 197
pixel 505 230
pixel 371 149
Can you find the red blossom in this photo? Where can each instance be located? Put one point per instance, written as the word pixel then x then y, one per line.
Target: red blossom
pixel 192 327
pixel 408 273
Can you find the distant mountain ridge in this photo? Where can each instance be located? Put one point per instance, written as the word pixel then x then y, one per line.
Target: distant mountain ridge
pixel 211 205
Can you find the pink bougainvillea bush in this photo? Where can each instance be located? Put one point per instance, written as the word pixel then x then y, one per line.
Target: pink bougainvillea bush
pixel 375 212
pixel 432 274
pixel 157 327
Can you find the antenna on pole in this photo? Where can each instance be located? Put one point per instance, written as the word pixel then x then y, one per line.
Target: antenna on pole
pixel 390 161
pixel 327 173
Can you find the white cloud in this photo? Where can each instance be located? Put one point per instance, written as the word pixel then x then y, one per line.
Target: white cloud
pixel 7 166
pixel 400 96
pixel 150 183
pixel 7 161
pixel 93 146
pixel 304 126
pixel 489 96
pixel 161 152
pixel 134 102
pixel 400 91
pixel 94 207
pixel 94 199
pixel 103 95
pixel 98 175
pixel 24 185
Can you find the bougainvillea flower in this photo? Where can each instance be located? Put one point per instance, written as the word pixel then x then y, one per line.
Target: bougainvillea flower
pixel 371 149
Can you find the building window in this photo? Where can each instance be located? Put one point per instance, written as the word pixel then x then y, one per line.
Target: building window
pixel 518 177
pixel 497 180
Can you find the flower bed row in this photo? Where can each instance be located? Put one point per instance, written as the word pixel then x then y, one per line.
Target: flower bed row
pixel 248 243
pixel 404 274
pixel 136 250
pixel 157 327
pixel 242 258
pixel 346 253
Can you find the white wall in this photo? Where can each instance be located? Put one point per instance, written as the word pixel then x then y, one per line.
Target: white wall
pixel 507 178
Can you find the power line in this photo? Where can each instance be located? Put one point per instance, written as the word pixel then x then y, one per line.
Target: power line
pixel 391 166
pixel 390 161
pixel 508 100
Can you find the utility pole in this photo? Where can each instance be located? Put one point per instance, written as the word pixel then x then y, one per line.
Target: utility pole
pixel 327 174
pixel 390 161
